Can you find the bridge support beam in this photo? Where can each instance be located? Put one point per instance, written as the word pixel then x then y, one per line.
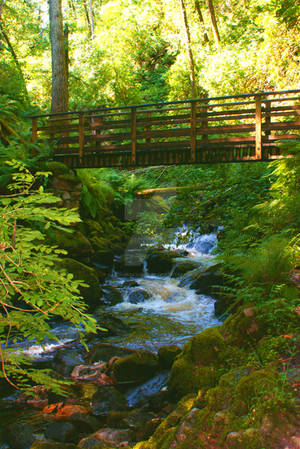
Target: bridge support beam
pixel 133 136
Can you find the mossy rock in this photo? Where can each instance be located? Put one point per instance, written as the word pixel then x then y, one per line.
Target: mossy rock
pixel 106 236
pixel 75 243
pixel 241 329
pixel 58 168
pixel 182 380
pixel 204 280
pixel 208 348
pixel 167 355
pixel 184 266
pixel 160 260
pixel 42 444
pixel 135 367
pixel 255 389
pixel 249 438
pixel 92 294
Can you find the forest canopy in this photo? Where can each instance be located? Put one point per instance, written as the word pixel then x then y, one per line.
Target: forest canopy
pixel 136 51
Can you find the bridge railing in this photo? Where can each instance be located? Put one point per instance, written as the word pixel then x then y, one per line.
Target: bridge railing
pixel 238 127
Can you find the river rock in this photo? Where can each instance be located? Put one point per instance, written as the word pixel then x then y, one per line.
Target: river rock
pixel 184 266
pixel 111 324
pixel 167 355
pixel 108 399
pixel 104 352
pixel 112 295
pixel 104 438
pixel 92 294
pixel 19 435
pixel 136 367
pixel 203 280
pixel 160 261
pixel 129 264
pixel 62 431
pixel 138 296
pixel 42 444
pixel 65 360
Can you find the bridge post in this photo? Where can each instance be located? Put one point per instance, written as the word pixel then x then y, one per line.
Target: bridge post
pixel 133 135
pixel 34 129
pixel 81 135
pixel 258 128
pixel 193 131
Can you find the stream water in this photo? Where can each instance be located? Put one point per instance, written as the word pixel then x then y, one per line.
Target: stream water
pixel 158 310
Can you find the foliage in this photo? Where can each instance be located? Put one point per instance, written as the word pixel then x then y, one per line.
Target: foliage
pixel 32 287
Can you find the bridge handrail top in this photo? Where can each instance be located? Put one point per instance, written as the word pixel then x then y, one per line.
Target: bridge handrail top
pixel 116 108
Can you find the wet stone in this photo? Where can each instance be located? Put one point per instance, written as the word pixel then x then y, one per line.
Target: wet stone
pixel 138 296
pixel 108 399
pixel 19 435
pixel 64 432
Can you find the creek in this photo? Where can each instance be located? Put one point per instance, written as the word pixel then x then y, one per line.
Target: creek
pixel 156 310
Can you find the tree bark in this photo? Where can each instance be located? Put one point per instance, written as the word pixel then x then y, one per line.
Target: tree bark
pixel 189 49
pixel 15 58
pixel 1 8
pixel 66 45
pixel 92 19
pixel 214 24
pixel 201 20
pixel 59 101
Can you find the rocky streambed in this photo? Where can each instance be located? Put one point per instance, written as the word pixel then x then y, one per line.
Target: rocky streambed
pixel 152 302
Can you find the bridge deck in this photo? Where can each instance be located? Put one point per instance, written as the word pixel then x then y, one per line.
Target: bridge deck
pixel 236 128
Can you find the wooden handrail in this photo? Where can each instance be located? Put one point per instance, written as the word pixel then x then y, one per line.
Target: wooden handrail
pixel 201 131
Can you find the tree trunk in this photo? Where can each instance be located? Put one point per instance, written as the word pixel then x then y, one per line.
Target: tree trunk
pixel 1 8
pixel 66 45
pixel 59 101
pixel 214 24
pixel 189 48
pixel 15 58
pixel 92 19
pixel 201 20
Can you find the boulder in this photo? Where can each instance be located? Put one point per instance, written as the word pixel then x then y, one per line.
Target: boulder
pixel 106 436
pixel 184 266
pixel 129 264
pixel 111 324
pixel 65 360
pixel 42 444
pixel 112 295
pixel 92 294
pixel 138 296
pixel 19 435
pixel 167 355
pixel 105 352
pixel 75 243
pixel 108 399
pixel 160 261
pixel 62 431
pixel 203 280
pixel 136 367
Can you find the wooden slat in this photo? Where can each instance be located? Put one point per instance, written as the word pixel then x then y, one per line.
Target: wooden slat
pixel 81 135
pixel 193 131
pixel 34 129
pixel 133 135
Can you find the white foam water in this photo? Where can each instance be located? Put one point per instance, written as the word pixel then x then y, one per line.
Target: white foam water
pixel 194 243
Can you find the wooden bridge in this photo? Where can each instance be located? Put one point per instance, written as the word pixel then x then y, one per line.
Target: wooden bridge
pixel 236 128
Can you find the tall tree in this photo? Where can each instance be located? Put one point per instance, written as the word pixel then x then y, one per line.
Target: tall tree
pixel 189 48
pixel 59 101
pixel 214 24
pixel 201 20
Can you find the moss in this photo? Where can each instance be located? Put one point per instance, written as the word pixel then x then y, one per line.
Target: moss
pixel 164 434
pixel 58 168
pixel 92 293
pixel 135 367
pixel 208 347
pixel 75 243
pixel 181 380
pixel 253 390
pixel 218 398
pixel 241 330
pixel 42 444
pixel 250 439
